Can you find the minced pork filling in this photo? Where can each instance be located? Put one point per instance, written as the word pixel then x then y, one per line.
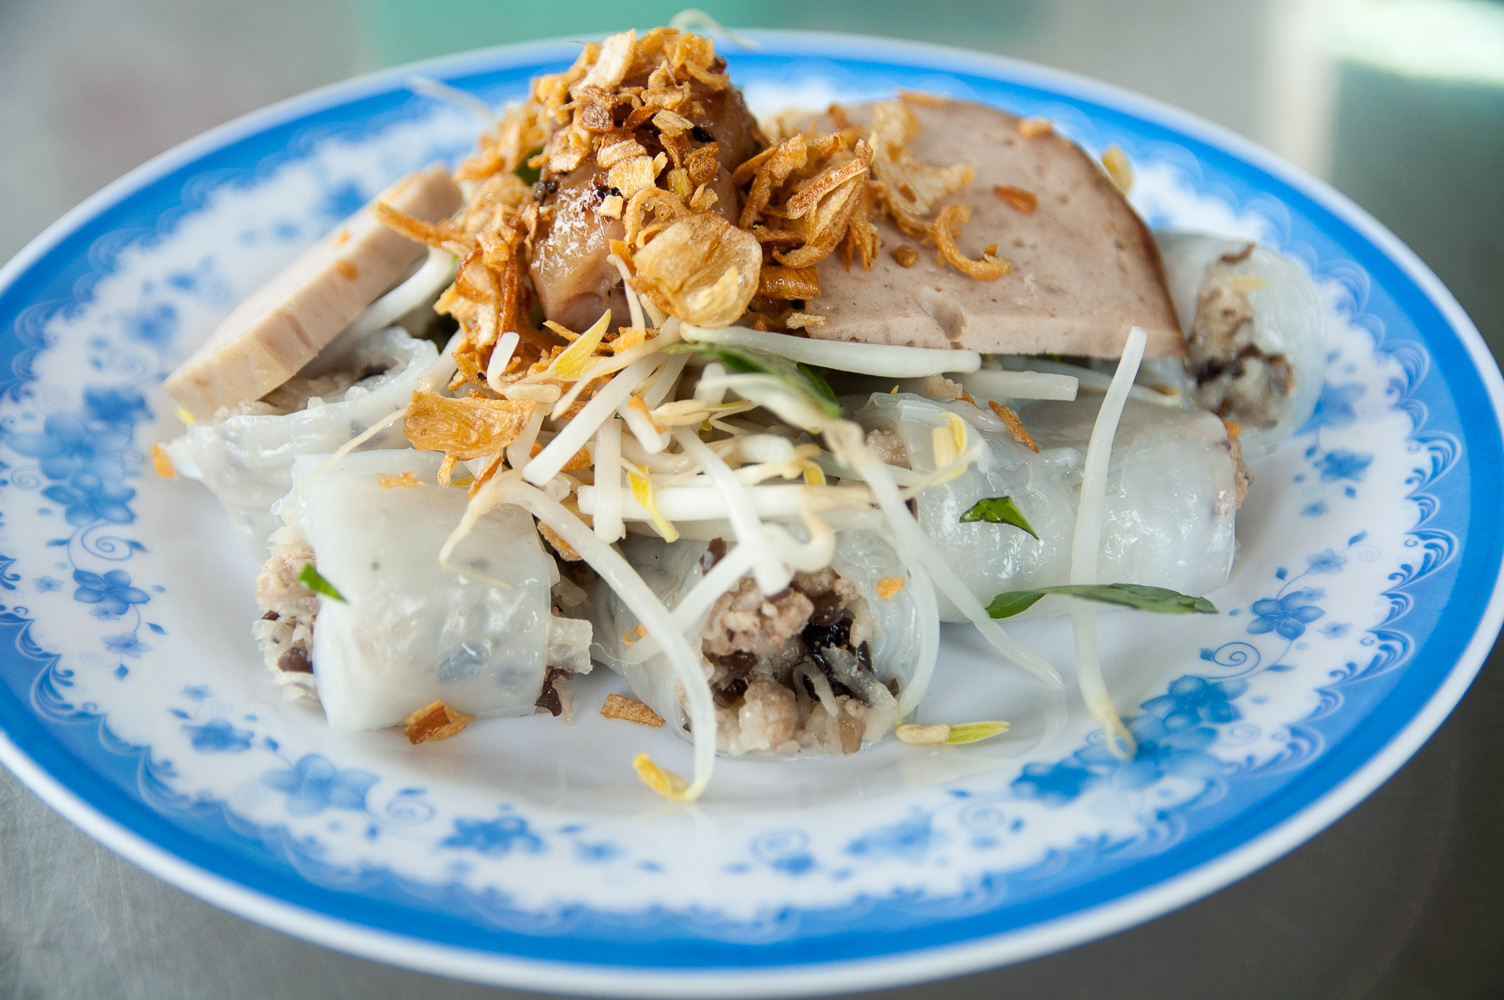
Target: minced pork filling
pixel 285 631
pixel 1235 378
pixel 792 672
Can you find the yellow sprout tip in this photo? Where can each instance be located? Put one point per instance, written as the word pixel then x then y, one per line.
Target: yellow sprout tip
pixel 957 431
pixel 966 732
pixel 642 492
pixel 972 732
pixel 665 783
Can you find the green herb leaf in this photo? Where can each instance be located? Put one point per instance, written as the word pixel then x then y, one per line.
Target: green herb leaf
pixel 822 387
pixel 972 732
pixel 527 173
pixel 311 579
pixel 999 510
pixel 801 378
pixel 1132 595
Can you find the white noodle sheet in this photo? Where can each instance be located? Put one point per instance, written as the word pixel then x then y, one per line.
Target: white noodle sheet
pixel 1171 496
pixel 246 460
pixel 409 630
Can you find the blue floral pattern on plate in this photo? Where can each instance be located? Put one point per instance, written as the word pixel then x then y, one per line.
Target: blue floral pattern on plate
pixel 135 685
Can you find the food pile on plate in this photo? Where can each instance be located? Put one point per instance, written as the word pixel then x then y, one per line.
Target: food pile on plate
pixel 741 410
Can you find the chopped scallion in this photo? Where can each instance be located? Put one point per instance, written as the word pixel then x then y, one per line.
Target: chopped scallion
pixel 315 582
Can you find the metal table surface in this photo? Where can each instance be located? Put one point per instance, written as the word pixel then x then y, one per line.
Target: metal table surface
pixel 1400 104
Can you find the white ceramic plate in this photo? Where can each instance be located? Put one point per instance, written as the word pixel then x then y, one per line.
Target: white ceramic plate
pixel 526 852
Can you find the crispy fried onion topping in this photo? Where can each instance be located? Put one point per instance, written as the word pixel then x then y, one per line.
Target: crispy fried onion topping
pixel 808 187
pixel 636 106
pixel 620 707
pixel 702 269
pixel 649 213
pixel 789 282
pixel 820 208
pixel 592 109
pixel 910 189
pixel 489 295
pixel 813 193
pixel 469 427
pixel 435 721
pixel 944 230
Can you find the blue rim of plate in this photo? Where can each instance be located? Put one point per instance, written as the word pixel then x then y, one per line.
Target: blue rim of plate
pixel 880 950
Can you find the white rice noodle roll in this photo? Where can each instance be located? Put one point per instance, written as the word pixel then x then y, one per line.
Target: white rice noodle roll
pixel 410 631
pixel 904 630
pixel 1171 496
pixel 246 458
pixel 1288 319
pixel 623 582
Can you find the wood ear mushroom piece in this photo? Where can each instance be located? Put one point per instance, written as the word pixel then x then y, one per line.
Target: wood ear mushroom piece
pixel 1085 267
pixel 279 328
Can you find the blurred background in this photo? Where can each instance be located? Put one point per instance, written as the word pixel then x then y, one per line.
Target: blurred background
pixel 1398 103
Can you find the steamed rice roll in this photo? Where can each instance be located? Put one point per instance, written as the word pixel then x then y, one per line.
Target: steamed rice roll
pixel 816 669
pixel 1255 334
pixel 406 631
pixel 244 454
pixel 1174 485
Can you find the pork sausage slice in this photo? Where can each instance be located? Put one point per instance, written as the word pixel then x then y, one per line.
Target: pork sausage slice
pixel 280 327
pixel 1085 267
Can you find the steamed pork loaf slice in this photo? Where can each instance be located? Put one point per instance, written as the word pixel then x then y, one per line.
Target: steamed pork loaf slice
pixel 1085 268
pixel 407 630
pixel 814 670
pixel 279 328
pixel 1174 484
pixel 245 454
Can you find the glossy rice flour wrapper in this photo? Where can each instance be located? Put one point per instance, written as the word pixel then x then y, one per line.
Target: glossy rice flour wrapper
pixel 892 633
pixel 409 630
pixel 1172 494
pixel 245 457
pixel 1278 314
